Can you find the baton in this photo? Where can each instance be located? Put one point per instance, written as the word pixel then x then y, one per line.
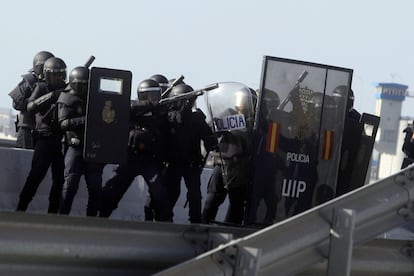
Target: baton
pixel 289 96
pixel 174 83
pixel 89 61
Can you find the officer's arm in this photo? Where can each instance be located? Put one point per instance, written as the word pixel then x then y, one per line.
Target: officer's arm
pixel 66 118
pixel 140 108
pixel 41 103
pixel 72 123
pixel 41 99
pixel 37 92
pixel 209 139
pixel 207 135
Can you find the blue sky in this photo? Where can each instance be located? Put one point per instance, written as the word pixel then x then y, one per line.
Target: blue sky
pixel 215 40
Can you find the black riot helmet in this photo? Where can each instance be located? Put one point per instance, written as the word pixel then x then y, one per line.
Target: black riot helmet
pixel 271 102
pixel 54 71
pixel 38 62
pixel 149 90
pixel 181 89
pixel 78 80
pixel 178 90
pixel 162 81
pixel 326 105
pixel 340 92
pixel 271 99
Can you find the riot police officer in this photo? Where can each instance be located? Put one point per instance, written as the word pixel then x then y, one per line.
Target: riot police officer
pixel 146 151
pixel 48 146
pixel 268 166
pixel 219 187
pixel 71 116
pixel 164 84
pixel 408 146
pixel 166 87
pixel 187 129
pixel 350 139
pixel 25 122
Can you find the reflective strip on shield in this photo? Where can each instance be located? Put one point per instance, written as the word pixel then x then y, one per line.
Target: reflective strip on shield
pixel 272 137
pixel 328 145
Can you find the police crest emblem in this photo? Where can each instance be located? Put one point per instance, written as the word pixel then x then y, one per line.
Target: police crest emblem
pixel 303 114
pixel 108 113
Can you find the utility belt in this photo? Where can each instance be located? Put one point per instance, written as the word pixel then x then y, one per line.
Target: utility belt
pixel 147 155
pixel 45 134
pixel 192 164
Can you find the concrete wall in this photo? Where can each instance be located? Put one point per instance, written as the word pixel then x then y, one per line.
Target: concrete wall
pixel 15 166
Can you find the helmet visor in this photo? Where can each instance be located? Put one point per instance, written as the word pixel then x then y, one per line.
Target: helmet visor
pixel 154 96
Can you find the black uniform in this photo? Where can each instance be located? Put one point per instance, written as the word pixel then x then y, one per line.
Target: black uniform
pixel 266 192
pixel 185 159
pixel 408 147
pixel 349 149
pixel 72 110
pixel 145 157
pixel 216 194
pixel 47 150
pixel 25 122
pixel 235 152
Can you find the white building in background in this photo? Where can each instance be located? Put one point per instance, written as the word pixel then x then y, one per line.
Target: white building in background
pixel 7 127
pixel 387 155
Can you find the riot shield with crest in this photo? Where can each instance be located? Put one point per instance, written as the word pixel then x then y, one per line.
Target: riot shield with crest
pixel 231 115
pixel 107 116
pixel 298 132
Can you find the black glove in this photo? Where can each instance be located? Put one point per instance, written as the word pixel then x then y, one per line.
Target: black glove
pixel 210 143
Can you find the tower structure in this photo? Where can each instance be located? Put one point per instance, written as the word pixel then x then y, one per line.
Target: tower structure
pixel 389 100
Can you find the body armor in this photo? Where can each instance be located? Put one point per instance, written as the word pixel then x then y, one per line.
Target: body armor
pixel 71 117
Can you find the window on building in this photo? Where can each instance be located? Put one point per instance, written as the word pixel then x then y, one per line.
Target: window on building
pixel 389 136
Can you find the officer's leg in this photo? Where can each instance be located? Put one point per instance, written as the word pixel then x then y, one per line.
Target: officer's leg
pixel 73 172
pixel 216 194
pixel 173 183
pixel 20 138
pixel 235 212
pixel 93 178
pixel 39 167
pixel 152 173
pixel 193 183
pixel 24 138
pixel 57 168
pixel 116 187
pixel 148 209
pixel 28 137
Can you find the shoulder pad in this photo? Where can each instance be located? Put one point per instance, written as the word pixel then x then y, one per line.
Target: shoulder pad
pixel 42 87
pixel 30 79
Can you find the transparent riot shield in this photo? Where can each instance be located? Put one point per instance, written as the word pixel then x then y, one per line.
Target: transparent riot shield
pixel 298 132
pixel 107 116
pixel 231 114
